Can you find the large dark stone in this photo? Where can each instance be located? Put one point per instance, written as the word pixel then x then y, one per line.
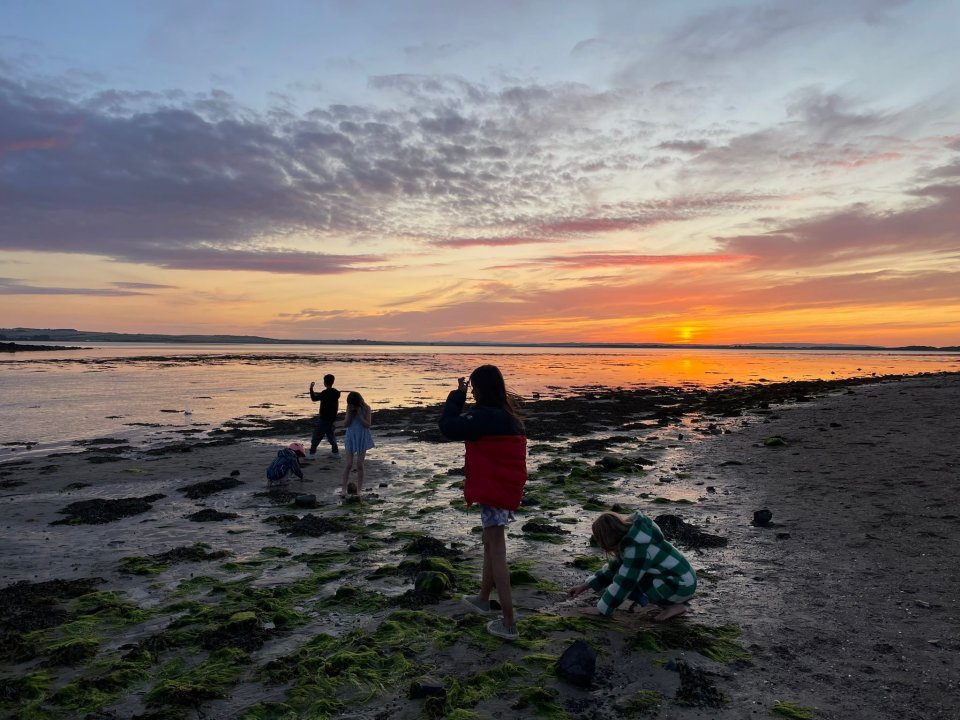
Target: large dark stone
pixel 429 687
pixel 578 664
pixel 306 501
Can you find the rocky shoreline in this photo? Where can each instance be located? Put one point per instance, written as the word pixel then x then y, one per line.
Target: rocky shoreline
pixel 171 582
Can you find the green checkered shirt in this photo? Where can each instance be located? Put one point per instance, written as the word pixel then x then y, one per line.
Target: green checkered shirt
pixel 646 561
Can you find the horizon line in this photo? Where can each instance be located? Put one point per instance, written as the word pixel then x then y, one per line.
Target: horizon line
pixel 73 335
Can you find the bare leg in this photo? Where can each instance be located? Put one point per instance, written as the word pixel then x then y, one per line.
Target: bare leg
pixel 486 577
pixel 346 473
pixel 494 539
pixel 670 612
pixel 360 456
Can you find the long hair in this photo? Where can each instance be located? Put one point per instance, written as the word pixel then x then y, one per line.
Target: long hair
pixel 609 530
pixel 490 389
pixel 356 399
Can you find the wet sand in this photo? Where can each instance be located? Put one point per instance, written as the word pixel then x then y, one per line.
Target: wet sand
pixel 844 606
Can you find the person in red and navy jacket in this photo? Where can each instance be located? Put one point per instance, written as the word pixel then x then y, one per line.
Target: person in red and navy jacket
pixel 495 473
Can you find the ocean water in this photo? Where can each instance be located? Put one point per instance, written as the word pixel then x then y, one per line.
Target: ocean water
pixel 153 393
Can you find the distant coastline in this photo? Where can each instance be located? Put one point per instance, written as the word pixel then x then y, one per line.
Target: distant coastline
pixel 12 347
pixel 13 336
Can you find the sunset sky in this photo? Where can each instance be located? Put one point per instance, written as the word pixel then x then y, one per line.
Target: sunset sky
pixel 691 172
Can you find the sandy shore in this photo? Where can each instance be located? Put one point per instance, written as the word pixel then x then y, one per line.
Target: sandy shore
pixel 845 606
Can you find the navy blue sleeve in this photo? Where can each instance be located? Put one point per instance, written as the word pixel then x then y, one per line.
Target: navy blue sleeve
pixel 478 422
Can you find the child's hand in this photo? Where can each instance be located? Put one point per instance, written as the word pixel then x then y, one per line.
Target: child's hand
pixel 462 384
pixel 577 590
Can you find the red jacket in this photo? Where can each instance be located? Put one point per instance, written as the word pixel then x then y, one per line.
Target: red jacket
pixel 496 471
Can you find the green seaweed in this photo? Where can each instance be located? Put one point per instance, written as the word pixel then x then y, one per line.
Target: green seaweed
pixel 108 605
pixel 208 680
pixel 539 625
pixel 273 551
pixel 465 693
pixel 324 559
pixel 73 651
pixel 640 703
pixel 791 710
pixel 25 689
pixel 520 575
pixel 327 672
pixel 354 599
pixel 137 565
pixel 591 563
pixel 541 700
pixel 716 643
pixel 96 690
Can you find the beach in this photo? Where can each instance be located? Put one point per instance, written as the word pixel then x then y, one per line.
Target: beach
pixel 169 583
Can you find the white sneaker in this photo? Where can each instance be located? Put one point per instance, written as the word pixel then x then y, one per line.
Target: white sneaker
pixel 479 606
pixel 498 629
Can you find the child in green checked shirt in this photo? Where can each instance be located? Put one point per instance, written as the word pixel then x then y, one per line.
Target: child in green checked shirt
pixel 643 567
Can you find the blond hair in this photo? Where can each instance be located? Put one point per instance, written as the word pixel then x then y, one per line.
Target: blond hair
pixel 609 530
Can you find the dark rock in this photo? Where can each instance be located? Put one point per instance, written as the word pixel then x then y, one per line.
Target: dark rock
pixel 676 530
pixel 98 512
pixel 578 664
pixel 306 501
pixel 208 487
pixel 310 525
pixel 762 518
pixel 428 546
pixel 211 515
pixel 696 689
pixel 420 689
pixel 543 528
pixel 234 473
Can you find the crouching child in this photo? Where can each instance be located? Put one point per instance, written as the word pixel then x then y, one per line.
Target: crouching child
pixel 643 567
pixel 287 461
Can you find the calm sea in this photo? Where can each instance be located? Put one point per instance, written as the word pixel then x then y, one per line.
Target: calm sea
pixel 152 393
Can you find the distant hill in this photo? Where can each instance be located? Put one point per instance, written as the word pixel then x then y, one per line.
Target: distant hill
pixel 71 335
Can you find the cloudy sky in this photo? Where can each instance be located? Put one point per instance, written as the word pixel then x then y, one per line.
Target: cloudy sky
pixel 639 171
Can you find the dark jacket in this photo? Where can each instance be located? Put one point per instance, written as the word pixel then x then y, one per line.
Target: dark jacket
pixel 477 422
pixel 283 464
pixel 329 402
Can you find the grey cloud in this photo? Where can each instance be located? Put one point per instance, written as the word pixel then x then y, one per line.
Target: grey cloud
pixel 198 182
pixel 859 233
pixel 12 286
pixel 688 146
pixel 159 178
pixel 728 32
pixel 142 286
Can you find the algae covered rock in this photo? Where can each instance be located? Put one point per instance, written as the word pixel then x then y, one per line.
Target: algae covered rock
pixel 431 582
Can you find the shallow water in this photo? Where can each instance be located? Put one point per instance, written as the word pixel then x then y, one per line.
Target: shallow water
pixel 149 394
